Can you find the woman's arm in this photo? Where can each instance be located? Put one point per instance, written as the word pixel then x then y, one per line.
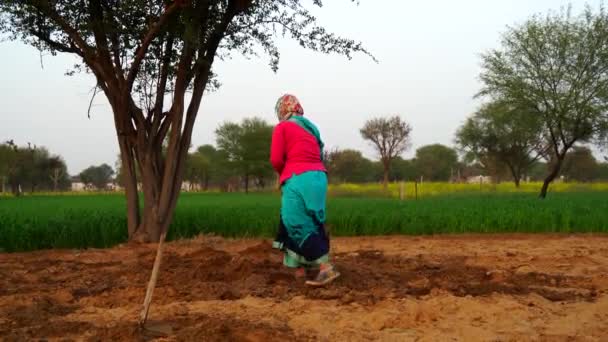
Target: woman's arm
pixel 277 149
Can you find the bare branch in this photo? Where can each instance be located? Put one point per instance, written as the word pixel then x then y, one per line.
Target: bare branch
pixel 91 102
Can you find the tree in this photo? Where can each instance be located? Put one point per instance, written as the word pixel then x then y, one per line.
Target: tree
pixel 140 51
pixel 390 137
pixel 403 169
pixel 8 156
pixel 602 172
pixel 255 142
pixel 505 133
pixel 197 169
pixel 214 171
pixel 32 168
pixel 247 148
pixel 555 68
pixel 97 176
pixel 57 172
pixel 349 166
pixel 31 173
pixel 580 165
pixel 538 171
pixel 436 162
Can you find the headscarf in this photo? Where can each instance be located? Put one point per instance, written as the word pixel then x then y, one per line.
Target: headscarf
pixel 288 106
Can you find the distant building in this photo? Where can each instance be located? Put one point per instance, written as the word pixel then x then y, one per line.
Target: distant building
pixel 479 179
pixel 113 187
pixel 188 186
pixel 77 184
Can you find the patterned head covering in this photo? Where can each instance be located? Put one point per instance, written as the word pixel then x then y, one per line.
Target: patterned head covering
pixel 287 106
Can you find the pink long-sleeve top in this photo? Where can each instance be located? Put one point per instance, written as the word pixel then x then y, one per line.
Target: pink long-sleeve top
pixel 294 151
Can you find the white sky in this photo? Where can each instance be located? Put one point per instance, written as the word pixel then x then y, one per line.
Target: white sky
pixel 428 74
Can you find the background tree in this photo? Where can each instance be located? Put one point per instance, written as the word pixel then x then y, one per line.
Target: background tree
pixel 402 170
pixel 538 171
pixel 57 172
pixel 8 162
pixel 31 168
pixel 97 176
pixel 436 162
pixel 390 137
pixel 349 166
pixel 140 51
pixel 554 67
pixel 255 141
pixel 505 133
pixel 580 165
pixel 213 171
pixel 31 173
pixel 247 148
pixel 197 169
pixel 602 172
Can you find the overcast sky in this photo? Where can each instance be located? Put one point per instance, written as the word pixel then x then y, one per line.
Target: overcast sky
pixel 427 74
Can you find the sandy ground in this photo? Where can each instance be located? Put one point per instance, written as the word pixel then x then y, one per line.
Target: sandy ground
pixel 448 288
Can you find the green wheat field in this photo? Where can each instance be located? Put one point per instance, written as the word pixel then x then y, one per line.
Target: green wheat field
pixel 99 220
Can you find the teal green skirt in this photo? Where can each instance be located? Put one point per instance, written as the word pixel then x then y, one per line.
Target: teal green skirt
pixel 302 235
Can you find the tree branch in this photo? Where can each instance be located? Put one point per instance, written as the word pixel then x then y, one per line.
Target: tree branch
pixel 115 44
pixel 149 37
pixel 91 102
pixel 202 66
pixel 137 115
pixel 55 44
pixel 162 84
pixel 45 7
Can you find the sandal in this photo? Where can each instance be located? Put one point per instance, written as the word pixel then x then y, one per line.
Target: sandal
pixel 324 277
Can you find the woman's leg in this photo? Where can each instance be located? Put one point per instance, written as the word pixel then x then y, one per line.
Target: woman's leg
pixel 303 218
pixel 314 194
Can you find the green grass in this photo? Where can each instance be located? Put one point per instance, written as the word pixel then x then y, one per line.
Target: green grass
pixel 41 222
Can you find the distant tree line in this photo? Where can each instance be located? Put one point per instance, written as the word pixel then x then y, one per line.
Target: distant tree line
pixel 31 168
pixel 239 159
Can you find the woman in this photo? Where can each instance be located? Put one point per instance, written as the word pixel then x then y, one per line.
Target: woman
pixel 296 154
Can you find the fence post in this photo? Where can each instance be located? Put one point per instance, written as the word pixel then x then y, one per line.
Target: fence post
pixel 416 188
pixel 401 191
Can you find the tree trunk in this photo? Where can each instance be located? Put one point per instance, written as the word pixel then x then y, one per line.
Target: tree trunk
pixel 386 171
pixel 246 184
pixel 130 184
pixel 516 175
pixel 157 212
pixel 16 189
pixel 554 172
pixel 152 225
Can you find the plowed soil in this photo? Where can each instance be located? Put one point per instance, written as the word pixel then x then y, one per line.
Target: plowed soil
pixel 462 288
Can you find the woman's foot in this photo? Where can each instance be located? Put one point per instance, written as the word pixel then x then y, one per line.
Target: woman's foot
pixel 326 275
